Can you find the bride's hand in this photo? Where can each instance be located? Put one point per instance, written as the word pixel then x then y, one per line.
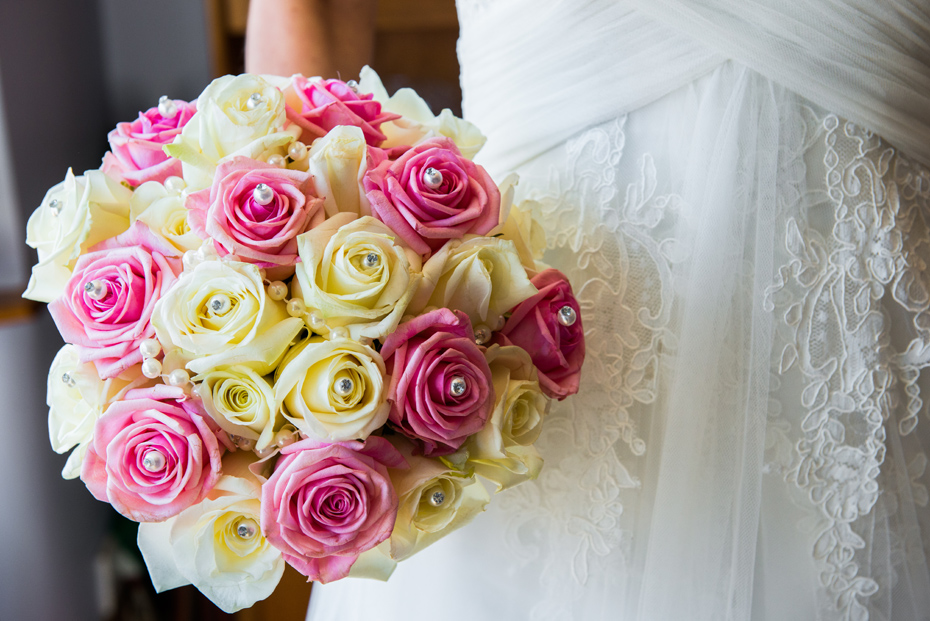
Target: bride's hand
pixel 314 37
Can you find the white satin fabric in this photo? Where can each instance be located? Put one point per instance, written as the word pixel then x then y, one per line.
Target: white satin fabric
pixel 751 257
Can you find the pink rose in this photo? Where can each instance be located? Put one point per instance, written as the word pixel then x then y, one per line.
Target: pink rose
pixel 431 194
pixel 327 503
pixel 154 454
pixel 106 309
pixel 136 154
pixel 328 103
pixel 548 326
pixel 259 225
pixel 441 390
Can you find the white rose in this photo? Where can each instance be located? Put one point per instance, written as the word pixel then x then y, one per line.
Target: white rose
pixel 241 402
pixel 338 162
pixel 220 314
pixel 335 279
pixel 216 545
pixel 164 213
pixel 519 225
pixel 236 115
pixel 481 276
pixel 503 450
pixel 74 215
pixel 76 398
pixel 417 122
pixel 333 390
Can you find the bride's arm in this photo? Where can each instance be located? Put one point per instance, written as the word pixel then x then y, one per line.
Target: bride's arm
pixel 312 37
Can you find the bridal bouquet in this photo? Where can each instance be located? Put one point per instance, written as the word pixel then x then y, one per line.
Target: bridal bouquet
pixel 300 322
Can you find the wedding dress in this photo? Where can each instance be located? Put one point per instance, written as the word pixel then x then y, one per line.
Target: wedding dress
pixel 739 191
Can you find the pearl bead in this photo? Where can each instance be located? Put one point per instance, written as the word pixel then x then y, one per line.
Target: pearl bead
pixel 95 289
pixel 262 194
pixel 277 290
pixel 153 461
pixel 353 86
pixel 458 386
pixel 482 334
pixel 167 108
pixel 296 307
pixel 246 529
pixel 191 259
pixel 339 333
pixel 277 161
pixel 285 437
pixel 297 151
pixel 343 387
pixel 151 368
pixel 254 101
pixel 437 499
pixel 175 184
pixel 150 348
pixel 243 444
pixel 68 380
pixel 264 452
pixel 55 206
pixel 178 377
pixel 371 260
pixel 499 324
pixel 316 321
pixel 567 316
pixel 432 178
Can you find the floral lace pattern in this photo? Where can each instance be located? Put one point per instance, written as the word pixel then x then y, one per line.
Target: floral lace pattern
pixel 852 301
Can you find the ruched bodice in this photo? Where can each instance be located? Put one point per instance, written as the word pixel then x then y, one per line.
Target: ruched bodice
pixel 597 59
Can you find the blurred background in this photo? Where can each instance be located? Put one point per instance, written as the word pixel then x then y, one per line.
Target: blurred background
pixel 69 71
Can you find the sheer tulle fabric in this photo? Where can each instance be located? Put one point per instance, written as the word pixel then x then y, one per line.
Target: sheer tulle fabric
pixel 749 441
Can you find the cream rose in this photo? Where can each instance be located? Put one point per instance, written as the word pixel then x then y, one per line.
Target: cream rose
pixel 216 545
pixel 481 276
pixel 356 274
pixel 417 122
pixel 503 450
pixel 74 215
pixel 76 398
pixel 164 213
pixel 241 402
pixel 332 390
pixel 236 115
pixel 519 225
pixel 219 314
pixel 338 162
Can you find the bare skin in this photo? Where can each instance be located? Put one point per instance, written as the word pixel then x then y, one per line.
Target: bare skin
pixel 329 38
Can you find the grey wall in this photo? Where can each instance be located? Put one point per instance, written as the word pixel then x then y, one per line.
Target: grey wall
pixel 69 70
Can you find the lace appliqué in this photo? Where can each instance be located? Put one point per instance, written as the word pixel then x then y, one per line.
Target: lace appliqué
pixel 609 244
pixel 852 298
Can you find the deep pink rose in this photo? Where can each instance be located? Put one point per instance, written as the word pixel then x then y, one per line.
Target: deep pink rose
pixel 136 154
pixel 327 503
pixel 441 390
pixel 232 214
pixel 557 349
pixel 328 103
pixel 127 275
pixel 431 194
pixel 154 453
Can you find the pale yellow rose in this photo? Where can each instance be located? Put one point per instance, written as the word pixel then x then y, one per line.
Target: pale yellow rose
pixel 241 402
pixel 503 450
pixel 338 162
pixel 74 215
pixel 417 122
pixel 219 314
pixel 216 545
pixel 236 115
pixel 164 213
pixel 76 398
pixel 334 279
pixel 481 276
pixel 519 225
pixel 333 390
